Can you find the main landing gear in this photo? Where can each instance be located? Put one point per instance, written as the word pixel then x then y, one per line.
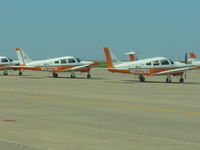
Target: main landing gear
pixel 88 75
pixel 73 75
pixel 142 78
pixel 55 75
pixel 181 80
pixel 169 79
pixel 20 73
pixel 5 73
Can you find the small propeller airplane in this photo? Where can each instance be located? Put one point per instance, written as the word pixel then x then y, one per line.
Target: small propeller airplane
pixel 155 66
pixel 55 65
pixel 7 64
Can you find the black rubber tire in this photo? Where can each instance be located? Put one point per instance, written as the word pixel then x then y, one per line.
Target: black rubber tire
pixel 168 81
pixel 88 76
pixel 5 73
pixel 181 80
pixel 142 79
pixel 73 76
pixel 55 75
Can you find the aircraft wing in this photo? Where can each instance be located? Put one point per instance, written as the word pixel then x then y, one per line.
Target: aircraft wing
pixel 175 70
pixel 76 68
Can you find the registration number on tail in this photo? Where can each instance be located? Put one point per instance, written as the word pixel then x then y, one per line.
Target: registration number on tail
pixel 140 71
pixel 49 68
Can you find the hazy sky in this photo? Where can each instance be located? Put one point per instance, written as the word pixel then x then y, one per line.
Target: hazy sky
pixel 51 28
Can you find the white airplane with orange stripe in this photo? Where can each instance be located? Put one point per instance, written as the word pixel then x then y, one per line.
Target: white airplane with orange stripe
pixel 6 64
pixel 149 67
pixel 55 65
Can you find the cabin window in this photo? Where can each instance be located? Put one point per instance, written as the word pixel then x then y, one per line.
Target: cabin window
pixel 156 63
pixel 56 62
pixel 4 60
pixel 71 60
pixel 164 62
pixel 148 64
pixel 63 61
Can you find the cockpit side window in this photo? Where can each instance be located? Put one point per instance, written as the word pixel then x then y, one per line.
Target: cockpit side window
pixel 156 63
pixel 78 59
pixel 164 62
pixel 56 62
pixel 63 61
pixel 4 60
pixel 71 60
pixel 148 64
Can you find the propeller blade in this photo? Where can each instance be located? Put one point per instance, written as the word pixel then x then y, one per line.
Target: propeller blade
pixel 186 58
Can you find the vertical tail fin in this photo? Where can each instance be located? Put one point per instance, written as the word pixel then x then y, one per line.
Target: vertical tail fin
pixel 132 56
pixel 23 58
pixel 111 59
pixel 192 55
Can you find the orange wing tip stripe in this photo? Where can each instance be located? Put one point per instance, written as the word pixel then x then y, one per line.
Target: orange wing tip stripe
pixel 18 49
pixel 192 55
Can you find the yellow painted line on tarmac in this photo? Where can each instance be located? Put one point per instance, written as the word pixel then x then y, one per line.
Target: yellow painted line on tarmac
pixel 107 104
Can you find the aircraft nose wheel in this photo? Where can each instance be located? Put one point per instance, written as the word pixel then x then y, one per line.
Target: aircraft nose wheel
pixel 20 73
pixel 89 76
pixel 181 80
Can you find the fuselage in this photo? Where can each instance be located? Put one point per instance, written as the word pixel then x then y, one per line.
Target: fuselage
pixel 58 64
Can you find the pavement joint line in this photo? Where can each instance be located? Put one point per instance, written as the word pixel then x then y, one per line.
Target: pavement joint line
pixel 108 104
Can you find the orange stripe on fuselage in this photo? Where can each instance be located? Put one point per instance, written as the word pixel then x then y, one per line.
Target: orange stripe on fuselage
pixel 149 72
pixel 54 68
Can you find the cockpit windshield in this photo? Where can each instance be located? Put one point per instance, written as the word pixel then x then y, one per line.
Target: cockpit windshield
pixel 171 61
pixel 10 59
pixel 78 59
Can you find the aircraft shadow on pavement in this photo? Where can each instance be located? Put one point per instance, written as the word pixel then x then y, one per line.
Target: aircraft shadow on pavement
pixel 154 82
pixel 78 78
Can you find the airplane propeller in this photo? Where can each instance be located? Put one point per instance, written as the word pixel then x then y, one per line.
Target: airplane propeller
pixel 186 58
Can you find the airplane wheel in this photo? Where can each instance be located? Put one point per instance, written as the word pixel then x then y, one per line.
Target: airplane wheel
pixel 55 75
pixel 181 80
pixel 73 76
pixel 168 80
pixel 142 79
pixel 5 73
pixel 20 73
pixel 89 76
